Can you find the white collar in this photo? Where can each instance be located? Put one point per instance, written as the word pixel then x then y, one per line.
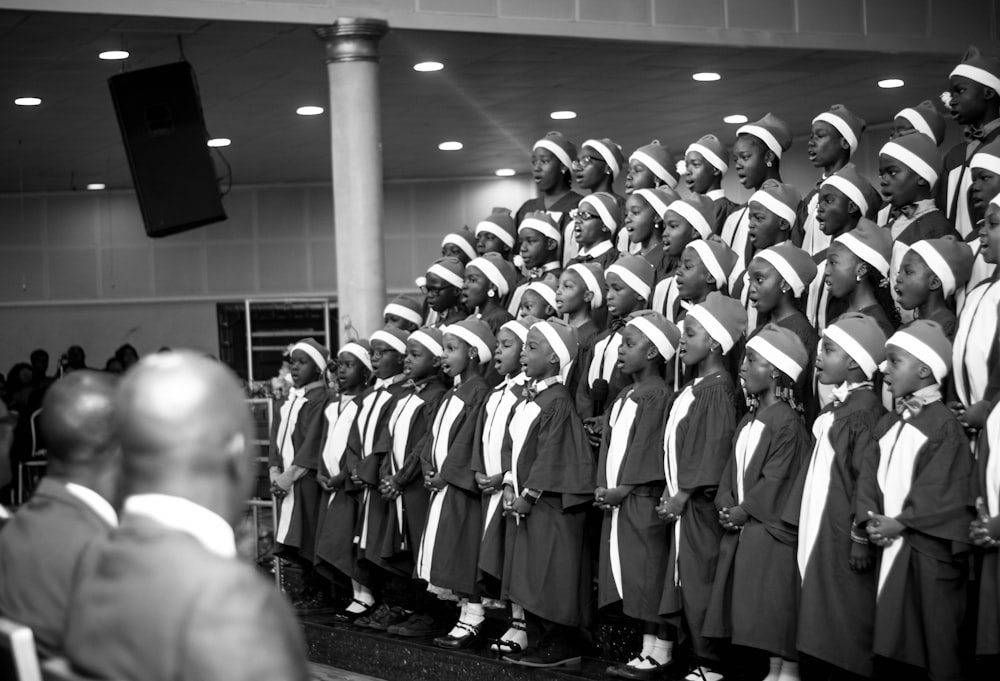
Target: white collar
pixel 301 392
pixel 383 383
pixel 178 513
pixel 95 502
pixel 716 194
pixel 596 250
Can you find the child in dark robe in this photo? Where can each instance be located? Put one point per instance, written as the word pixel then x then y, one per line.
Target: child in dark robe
pixel 489 280
pixel 540 241
pixel 580 298
pixel 706 162
pixel 929 275
pixel 404 313
pixel 596 221
pixel 551 163
pixel 497 233
pixel 644 214
pixel 685 220
pixel 984 532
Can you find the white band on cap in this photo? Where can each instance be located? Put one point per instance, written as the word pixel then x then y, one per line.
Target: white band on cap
pixel 655 336
pixel 937 264
pixel 922 352
pixel 492 273
pixel 555 342
pixel 764 135
pixel 557 150
pixel 446 274
pixel 396 344
pixel 497 231
pixel 631 280
pixel 995 201
pixel 852 347
pixel 711 263
pixel 590 281
pixel 713 327
pixel 314 354
pixel 981 76
pixel 428 341
pixel 841 126
pixel 547 293
pixel 456 240
pixel 654 165
pixel 653 200
pixel 693 217
pixel 606 153
pixel 784 268
pixel 850 190
pixel 986 162
pixel 403 312
pixel 917 164
pixel 776 357
pixel 717 161
pixel 606 217
pixel 865 252
pixel 773 204
pixel 544 228
pixel 359 351
pixel 482 349
pixel 918 122
pixel 516 328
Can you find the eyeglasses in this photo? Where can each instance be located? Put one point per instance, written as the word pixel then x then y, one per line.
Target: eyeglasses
pixel 434 290
pixel 583 215
pixel 585 161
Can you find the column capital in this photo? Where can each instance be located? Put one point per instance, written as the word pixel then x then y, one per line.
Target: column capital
pixel 352 39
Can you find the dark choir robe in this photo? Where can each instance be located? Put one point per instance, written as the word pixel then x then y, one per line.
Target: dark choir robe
pixel 587 334
pixel 803 388
pixel 339 509
pixel 928 223
pixel 663 265
pixel 603 253
pixel 296 439
pixel 495 318
pixel 560 214
pixel 924 479
pixel 754 597
pixel 489 457
pixel 946 319
pixel 547 568
pixel 723 208
pixel 953 188
pixel 449 549
pixel 697 444
pixel 988 577
pixel 634 541
pixel 836 605
pixel 666 299
pixel 601 363
pixel 403 440
pixel 976 351
pixel 821 309
pixel 368 441
pixel 549 272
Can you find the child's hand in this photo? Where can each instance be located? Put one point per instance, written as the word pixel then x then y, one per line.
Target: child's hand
pixel 389 488
pixel 975 416
pixel 508 500
pixel 323 481
pixel 599 496
pixel 520 507
pixel 489 484
pixel 984 531
pixel 672 509
pixel 594 426
pixel 355 478
pixel 861 558
pixel 434 482
pixel 883 530
pixel 733 518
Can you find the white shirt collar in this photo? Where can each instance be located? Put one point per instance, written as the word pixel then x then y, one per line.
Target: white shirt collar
pixel 383 383
pixel 716 194
pixel 595 251
pixel 301 392
pixel 95 502
pixel 178 513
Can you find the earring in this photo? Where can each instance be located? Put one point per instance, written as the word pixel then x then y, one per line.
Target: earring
pixel 858 278
pixel 768 164
pixel 784 288
pixel 491 294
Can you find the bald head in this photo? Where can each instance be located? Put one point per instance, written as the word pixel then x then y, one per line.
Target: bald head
pixel 184 429
pixel 77 420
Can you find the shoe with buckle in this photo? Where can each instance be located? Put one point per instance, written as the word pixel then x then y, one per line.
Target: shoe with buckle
pixel 628 671
pixel 391 616
pixel 505 646
pixel 418 626
pixel 458 642
pixel 348 617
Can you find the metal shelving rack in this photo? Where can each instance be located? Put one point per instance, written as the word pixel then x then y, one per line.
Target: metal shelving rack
pixel 260 341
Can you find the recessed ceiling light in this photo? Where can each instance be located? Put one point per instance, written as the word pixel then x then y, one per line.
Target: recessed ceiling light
pixel 450 146
pixel 428 66
pixel 706 76
pixel 506 172
pixel 309 110
pixel 219 142
pixel 95 186
pixel 562 115
pixel 27 101
pixel 890 83
pixel 112 55
pixel 735 119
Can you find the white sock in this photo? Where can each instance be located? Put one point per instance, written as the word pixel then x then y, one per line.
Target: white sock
pixel 703 673
pixel 775 672
pixel 475 613
pixel 789 671
pixel 516 611
pixel 361 593
pixel 647 648
pixel 661 651
pixel 456 630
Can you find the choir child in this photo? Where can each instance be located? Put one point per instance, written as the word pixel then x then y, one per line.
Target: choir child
pixel 595 223
pixel 404 313
pixel 755 594
pixel 540 239
pixel 649 167
pixel 644 211
pixel 985 170
pixel 497 233
pixel 919 510
pixel 984 532
pixel 705 164
pixel 706 265
pixel 489 279
pixel 686 219
pixel 443 286
pixel 697 443
pixel 547 570
pixel 757 152
pixel 835 558
pixel 833 140
pixel 598 165
pixel 539 300
pixel 459 244
pixel 551 162
pixel 449 549
pixel 923 118
pixel 580 297
pixel 630 482
pixel 295 445
pixel 929 274
pixel 857 273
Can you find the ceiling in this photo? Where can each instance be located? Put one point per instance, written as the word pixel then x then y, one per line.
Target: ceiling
pixel 494 95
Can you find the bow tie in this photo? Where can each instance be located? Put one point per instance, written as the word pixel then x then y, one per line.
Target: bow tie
pixel 536 273
pixel 296 393
pixel 414 386
pixel 911 405
pixel 908 210
pixel 843 391
pixel 617 324
pixel 973 132
pixel 531 391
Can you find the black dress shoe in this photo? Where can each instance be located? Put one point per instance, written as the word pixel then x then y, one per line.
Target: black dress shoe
pixel 547 657
pixel 348 617
pixel 625 671
pixel 418 626
pixel 458 642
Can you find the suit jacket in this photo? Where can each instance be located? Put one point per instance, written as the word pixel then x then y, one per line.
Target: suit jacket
pixel 153 604
pixel 40 548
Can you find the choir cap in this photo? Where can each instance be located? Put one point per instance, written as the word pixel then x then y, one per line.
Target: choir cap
pixel 464 239
pixel 699 212
pixel 450 269
pixel 926 341
pixel 781 348
pixel 987 157
pixel 925 119
pixel 359 349
pixel 636 272
pixel 501 225
pixel 406 308
pixel 717 257
pixel 770 130
pixel 497 269
pixel 541 222
pixel 429 337
pixel 856 187
pixel 781 199
pixel 477 334
pixel 723 318
pixel 561 337
pixel 861 338
pixel 662 333
pixel 918 153
pixel 794 265
pixel 316 352
pixel 659 160
pixel 547 290
pixel 980 68
pixel 949 259
pixel 710 148
pixel 610 152
pixel 869 242
pixel 846 123
pixel 561 147
pixel 592 275
pixel 659 198
pixel 519 327
pixel 606 207
pixel 391 336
